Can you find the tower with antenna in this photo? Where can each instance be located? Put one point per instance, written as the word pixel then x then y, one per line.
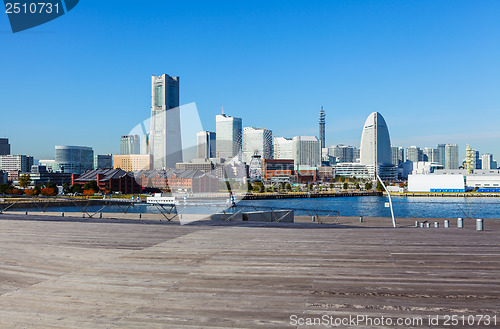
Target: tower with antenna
pixel 322 127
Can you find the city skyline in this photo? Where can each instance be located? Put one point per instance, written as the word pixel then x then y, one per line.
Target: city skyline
pixel 418 63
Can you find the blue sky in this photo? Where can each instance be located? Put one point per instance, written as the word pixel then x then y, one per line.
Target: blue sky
pixel 431 68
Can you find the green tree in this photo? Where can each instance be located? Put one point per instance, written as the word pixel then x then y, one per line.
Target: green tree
pixel 346 186
pixel 357 186
pixel 288 187
pixel 379 187
pixel 25 180
pixel 368 186
pixel 76 188
pixel 4 188
pixel 92 185
pixel 66 188
pixel 249 186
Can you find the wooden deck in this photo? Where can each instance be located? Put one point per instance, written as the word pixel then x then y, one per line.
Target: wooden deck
pixel 65 273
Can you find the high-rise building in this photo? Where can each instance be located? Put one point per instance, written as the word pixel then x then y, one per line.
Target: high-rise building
pixel 103 161
pixel 257 141
pixel 4 146
pixel 228 135
pixel 130 144
pixel 307 151
pixel 74 159
pixel 414 154
pixel 165 142
pixel 205 145
pixel 451 156
pixel 342 153
pixel 475 160
pixel 356 153
pixel 441 154
pixel 430 155
pixel 376 152
pixel 487 161
pixel 322 127
pixel 20 163
pixel 397 155
pixel 145 144
pixel 283 148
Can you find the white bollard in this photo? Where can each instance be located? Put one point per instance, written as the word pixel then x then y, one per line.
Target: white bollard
pixel 447 223
pixel 417 223
pixel 460 223
pixel 436 224
pixel 479 225
pixel 62 214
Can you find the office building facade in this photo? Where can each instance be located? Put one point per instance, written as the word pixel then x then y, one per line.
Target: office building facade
pixel 103 161
pixel 283 148
pixel 342 153
pixel 130 144
pixel 206 145
pixel 306 151
pixel 133 162
pixel 451 156
pixel 165 142
pixel 4 146
pixel 397 155
pixel 11 163
pixel 228 135
pixel 74 159
pixel 487 161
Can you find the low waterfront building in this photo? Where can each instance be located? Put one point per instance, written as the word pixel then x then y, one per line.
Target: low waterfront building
pixel 455 180
pixel 353 170
pixel 112 180
pixel 277 170
pixel 40 175
pixel 326 174
pixel 194 181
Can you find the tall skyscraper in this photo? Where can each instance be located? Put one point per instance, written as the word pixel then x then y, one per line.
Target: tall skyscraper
pixel 441 154
pixel 430 155
pixel 4 146
pixel 165 143
pixel 257 141
pixel 307 151
pixel 322 127
pixel 451 156
pixel 397 155
pixel 283 148
pixel 487 161
pixel 205 145
pixel 376 152
pixel 228 132
pixel 414 154
pixel 130 144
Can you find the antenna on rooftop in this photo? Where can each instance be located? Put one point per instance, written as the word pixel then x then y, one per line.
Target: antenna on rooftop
pixel 222 110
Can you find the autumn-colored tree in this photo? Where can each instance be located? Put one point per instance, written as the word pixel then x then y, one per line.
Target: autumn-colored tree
pixel 14 191
pixel 88 192
pixel 30 192
pixel 47 191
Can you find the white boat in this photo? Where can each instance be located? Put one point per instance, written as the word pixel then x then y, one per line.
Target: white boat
pixel 163 199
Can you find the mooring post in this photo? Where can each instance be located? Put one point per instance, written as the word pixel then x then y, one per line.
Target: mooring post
pixel 479 224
